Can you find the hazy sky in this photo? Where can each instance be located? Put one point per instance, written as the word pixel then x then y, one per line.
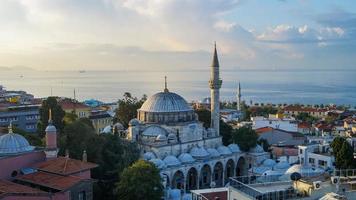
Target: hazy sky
pixel 177 34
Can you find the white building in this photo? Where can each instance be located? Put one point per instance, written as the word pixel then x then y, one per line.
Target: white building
pixel 189 156
pixel 287 124
pixel 316 155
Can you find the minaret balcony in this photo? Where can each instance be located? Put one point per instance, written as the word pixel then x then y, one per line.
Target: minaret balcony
pixel 215 84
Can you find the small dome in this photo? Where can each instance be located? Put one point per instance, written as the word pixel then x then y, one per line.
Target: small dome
pixel 119 126
pixel 257 149
pixel 159 163
pixel 269 163
pixel 171 161
pixel 234 148
pixel 13 143
pixel 223 150
pixel 154 131
pixel 165 102
pixel 304 170
pixel 149 156
pixel 259 170
pixel 51 129
pixel 172 136
pixel 134 122
pixel 213 152
pixel 161 138
pixel 186 158
pixel 282 165
pixel 199 152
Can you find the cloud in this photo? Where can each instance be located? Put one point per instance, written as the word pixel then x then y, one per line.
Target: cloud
pixel 123 34
pixel 299 35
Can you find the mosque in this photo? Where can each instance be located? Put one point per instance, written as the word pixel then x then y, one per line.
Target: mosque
pixel 189 156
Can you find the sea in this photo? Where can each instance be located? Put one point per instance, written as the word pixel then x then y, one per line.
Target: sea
pixel 257 86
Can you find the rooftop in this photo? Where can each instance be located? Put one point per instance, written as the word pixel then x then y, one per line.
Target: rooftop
pixel 8 187
pixel 50 180
pixel 65 166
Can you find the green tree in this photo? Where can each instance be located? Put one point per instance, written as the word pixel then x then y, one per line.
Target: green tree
pixel 343 153
pixel 110 152
pixel 226 133
pixel 57 115
pixel 140 181
pixel 75 138
pixel 264 143
pixel 245 137
pixel 32 138
pixel 128 106
pixel 204 116
pixel 115 155
pixel 305 117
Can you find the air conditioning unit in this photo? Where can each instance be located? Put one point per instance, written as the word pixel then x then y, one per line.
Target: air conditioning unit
pixel 317 185
pixel 335 179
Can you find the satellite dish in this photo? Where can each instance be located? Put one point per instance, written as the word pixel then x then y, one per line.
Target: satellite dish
pixel 295 176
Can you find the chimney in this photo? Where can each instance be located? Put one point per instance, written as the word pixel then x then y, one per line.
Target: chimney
pixel 85 156
pixel 51 138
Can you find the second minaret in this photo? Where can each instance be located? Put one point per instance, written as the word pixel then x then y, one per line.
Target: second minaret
pixel 215 85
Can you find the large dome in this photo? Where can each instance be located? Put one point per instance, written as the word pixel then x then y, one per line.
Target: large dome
pixel 165 102
pixel 166 108
pixel 13 143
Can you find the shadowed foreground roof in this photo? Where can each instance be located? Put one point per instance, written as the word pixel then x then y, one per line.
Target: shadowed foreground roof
pixel 49 180
pixel 65 166
pixel 8 187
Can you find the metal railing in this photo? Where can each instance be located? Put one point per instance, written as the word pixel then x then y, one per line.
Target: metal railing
pixel 247 184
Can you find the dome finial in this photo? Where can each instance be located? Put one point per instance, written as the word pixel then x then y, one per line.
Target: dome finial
pixel 10 128
pixel 49 116
pixel 165 84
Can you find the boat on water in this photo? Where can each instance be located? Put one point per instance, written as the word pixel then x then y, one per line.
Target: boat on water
pixel 81 71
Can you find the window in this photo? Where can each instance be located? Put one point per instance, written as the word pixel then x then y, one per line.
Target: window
pixel 311 160
pixel 300 151
pixel 82 195
pixel 322 163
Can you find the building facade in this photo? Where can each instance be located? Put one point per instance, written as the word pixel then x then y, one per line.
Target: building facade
pixel 189 156
pixel 24 117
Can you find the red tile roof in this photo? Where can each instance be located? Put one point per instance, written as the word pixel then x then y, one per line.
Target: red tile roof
pixel 263 130
pixel 304 109
pixel 49 180
pixel 65 166
pixel 304 125
pixel 8 187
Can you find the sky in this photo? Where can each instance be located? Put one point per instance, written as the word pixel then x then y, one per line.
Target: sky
pixel 177 34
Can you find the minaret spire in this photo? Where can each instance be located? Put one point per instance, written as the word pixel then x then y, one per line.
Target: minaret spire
pixel 239 98
pixel 165 84
pixel 215 85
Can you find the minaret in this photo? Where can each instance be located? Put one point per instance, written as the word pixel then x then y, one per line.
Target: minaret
pixel 239 98
pixel 215 85
pixel 51 150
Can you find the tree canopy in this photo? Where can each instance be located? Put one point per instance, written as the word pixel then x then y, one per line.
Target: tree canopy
pixel 110 152
pixel 57 115
pixel 343 153
pixel 305 117
pixel 245 137
pixel 127 108
pixel 140 181
pixel 204 116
